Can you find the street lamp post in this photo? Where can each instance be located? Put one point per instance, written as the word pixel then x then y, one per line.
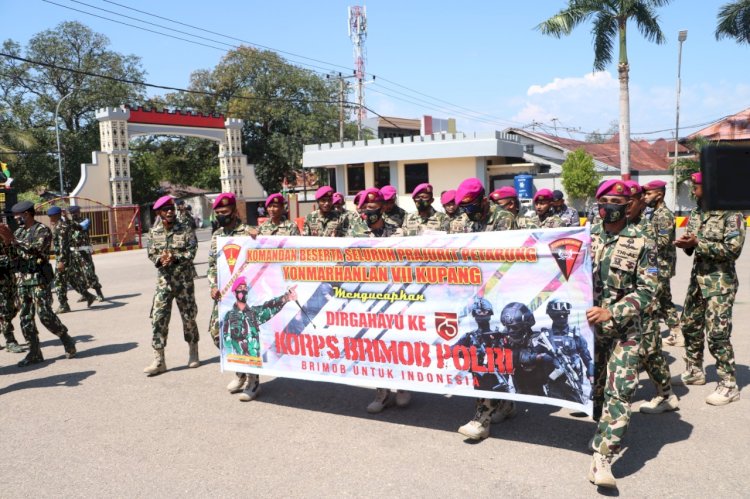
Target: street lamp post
pixel 57 135
pixel 681 37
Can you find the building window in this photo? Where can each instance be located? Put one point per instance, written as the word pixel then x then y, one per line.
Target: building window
pixel 382 174
pixel 355 179
pixel 529 148
pixel 414 175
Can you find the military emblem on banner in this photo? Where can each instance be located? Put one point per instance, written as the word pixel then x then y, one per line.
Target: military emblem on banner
pixel 231 253
pixel 565 251
pixel 446 325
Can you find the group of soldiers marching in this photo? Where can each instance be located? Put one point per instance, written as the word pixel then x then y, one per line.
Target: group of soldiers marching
pixel 633 256
pixel 27 277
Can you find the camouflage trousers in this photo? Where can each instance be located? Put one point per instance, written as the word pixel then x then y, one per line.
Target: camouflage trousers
pixel 616 365
pixel 709 319
pixel 213 323
pixel 72 276
pixel 85 262
pixel 665 309
pixel 8 308
pixel 650 351
pixel 39 297
pixel 182 290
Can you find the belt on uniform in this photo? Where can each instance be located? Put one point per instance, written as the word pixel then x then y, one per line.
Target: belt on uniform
pixel 83 248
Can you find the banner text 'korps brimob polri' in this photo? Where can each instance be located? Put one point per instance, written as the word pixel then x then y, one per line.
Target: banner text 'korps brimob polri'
pixel 492 314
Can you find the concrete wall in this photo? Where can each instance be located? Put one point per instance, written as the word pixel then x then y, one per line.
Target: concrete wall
pixel 94 181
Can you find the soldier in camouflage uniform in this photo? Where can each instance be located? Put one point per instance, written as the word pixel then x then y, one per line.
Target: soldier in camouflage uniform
pixel 67 272
pixel 391 211
pixel 568 215
pixel 29 251
pixel 184 216
pixel 8 299
pixel 544 216
pixel 82 250
pixel 478 216
pixel 448 200
pixel 715 238
pixel 426 218
pixel 325 221
pixel 652 357
pixel 374 224
pixel 172 247
pixel 240 328
pixel 277 223
pixel 229 225
pixel 663 222
pixel 625 278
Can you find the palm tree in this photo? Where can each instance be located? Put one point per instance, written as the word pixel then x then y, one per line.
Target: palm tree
pixel 610 19
pixel 734 21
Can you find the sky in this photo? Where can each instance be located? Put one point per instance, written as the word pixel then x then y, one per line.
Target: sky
pixel 481 62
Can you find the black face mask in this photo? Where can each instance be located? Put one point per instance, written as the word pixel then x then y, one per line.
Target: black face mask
pixel 422 204
pixel 371 217
pixel 611 212
pixel 241 296
pixel 473 211
pixel 223 220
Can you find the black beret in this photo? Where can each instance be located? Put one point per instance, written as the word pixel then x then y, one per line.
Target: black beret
pixel 179 202
pixel 74 209
pixel 557 195
pixel 22 206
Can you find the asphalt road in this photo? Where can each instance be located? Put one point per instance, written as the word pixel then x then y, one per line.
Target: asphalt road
pixel 96 426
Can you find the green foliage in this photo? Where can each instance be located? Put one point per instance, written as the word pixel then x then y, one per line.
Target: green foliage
pixel 733 21
pixel 29 94
pixel 283 108
pixel 579 176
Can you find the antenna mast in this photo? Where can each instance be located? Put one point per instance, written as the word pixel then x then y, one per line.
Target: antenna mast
pixel 358 34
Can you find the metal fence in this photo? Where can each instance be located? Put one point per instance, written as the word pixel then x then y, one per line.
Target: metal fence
pixel 109 227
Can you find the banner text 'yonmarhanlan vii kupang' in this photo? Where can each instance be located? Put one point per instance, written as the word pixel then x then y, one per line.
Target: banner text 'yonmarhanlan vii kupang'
pixel 492 314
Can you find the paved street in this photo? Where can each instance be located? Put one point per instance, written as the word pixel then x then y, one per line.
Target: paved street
pixel 96 426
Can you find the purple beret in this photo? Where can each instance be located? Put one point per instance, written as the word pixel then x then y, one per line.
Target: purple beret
pixel 224 199
pixel 338 198
pixel 634 187
pixel 163 201
pixel 613 187
pixel 697 178
pixel 238 282
pixel 326 190
pixel 388 192
pixel 425 187
pixel 504 193
pixel 357 197
pixel 543 194
pixel 371 195
pixel 448 197
pixel 654 184
pixel 275 198
pixel 469 190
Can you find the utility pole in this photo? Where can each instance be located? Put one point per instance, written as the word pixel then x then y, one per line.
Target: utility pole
pixel 358 34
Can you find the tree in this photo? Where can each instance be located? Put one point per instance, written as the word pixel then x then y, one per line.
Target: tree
pixel 579 176
pixel 283 108
pixel 597 137
pixel 610 19
pixel 30 92
pixel 734 21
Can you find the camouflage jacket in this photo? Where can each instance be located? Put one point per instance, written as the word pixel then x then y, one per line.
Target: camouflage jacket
pixel 30 254
pixel 185 218
pixel 397 216
pixel 285 228
pixel 388 230
pixel 569 217
pixel 497 219
pixel 721 235
pixel 534 222
pixel 625 277
pixel 181 242
pixel 241 324
pixel 415 224
pixel 332 225
pixel 79 237
pixel 61 241
pixel 663 222
pixel 6 264
pixel 239 230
